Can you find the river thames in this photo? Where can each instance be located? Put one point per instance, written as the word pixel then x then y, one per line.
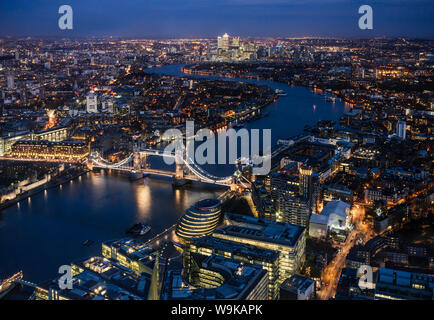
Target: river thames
pixel 47 230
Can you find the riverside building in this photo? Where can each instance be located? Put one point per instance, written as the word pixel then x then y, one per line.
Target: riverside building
pixel 199 220
pixel 288 240
pixel 43 149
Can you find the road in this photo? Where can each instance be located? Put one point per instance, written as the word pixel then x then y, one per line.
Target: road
pixel 332 271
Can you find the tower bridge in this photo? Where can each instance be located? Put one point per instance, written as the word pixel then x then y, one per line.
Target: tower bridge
pixel 185 170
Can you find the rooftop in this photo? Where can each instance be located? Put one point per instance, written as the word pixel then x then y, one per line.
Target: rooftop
pixel 261 230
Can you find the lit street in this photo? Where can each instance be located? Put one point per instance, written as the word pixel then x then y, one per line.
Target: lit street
pixel 331 273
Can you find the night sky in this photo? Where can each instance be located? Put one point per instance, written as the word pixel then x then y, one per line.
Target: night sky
pixel 209 18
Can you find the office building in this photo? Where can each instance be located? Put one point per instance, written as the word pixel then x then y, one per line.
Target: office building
pixel 214 277
pixel 297 287
pixel 134 255
pixel 223 42
pixel 401 129
pixel 265 258
pixel 113 284
pixel 294 210
pixel 293 198
pixel 92 103
pixel 199 220
pixel 6 142
pixel 402 285
pixel 287 239
pixel 10 81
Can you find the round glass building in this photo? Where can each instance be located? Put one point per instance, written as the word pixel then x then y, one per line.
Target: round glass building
pixel 200 219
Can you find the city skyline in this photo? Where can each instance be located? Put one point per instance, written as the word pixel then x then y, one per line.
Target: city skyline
pixel 238 150
pixel 205 19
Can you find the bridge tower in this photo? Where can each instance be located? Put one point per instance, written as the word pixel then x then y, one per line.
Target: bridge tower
pixel 178 179
pixel 89 164
pixel 139 159
pixel 179 171
pixel 137 163
pixel 233 185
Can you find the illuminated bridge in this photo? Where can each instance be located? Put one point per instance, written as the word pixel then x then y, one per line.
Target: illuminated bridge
pixel 185 170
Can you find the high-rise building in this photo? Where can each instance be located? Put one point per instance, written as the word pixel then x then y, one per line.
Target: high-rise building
pixel 293 200
pixel 225 42
pixel 295 210
pixel 305 184
pixel 401 129
pixel 92 103
pixel 236 42
pixel 109 106
pixel 10 81
pixel 219 42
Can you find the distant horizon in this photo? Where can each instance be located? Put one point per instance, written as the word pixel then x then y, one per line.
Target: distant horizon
pixel 23 37
pixel 174 19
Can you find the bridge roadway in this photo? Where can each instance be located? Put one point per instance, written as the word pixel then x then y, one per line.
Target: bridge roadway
pixel 164 173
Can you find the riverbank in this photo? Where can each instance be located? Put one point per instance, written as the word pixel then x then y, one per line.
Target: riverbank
pixel 48 185
pixel 49 230
pixel 330 95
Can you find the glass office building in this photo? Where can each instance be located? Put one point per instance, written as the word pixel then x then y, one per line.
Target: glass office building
pixel 199 220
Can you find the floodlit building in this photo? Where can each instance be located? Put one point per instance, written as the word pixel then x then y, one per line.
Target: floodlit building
pixel 334 217
pixel 43 149
pixel 318 226
pixel 92 103
pixel 6 142
pixel 287 239
pixel 53 134
pixel 132 254
pixel 199 220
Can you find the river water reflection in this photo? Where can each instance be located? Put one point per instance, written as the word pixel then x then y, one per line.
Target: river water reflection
pixel 42 233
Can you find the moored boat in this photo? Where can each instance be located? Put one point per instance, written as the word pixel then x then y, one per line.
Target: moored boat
pixel 139 229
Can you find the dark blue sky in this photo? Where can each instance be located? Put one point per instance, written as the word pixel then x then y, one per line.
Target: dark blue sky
pixel 209 18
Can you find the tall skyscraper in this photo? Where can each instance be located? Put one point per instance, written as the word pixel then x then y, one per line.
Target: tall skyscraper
pixel 401 129
pixel 293 203
pixel 10 81
pixel 236 42
pixel 305 184
pixel 219 42
pixel 223 42
pixel 92 103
